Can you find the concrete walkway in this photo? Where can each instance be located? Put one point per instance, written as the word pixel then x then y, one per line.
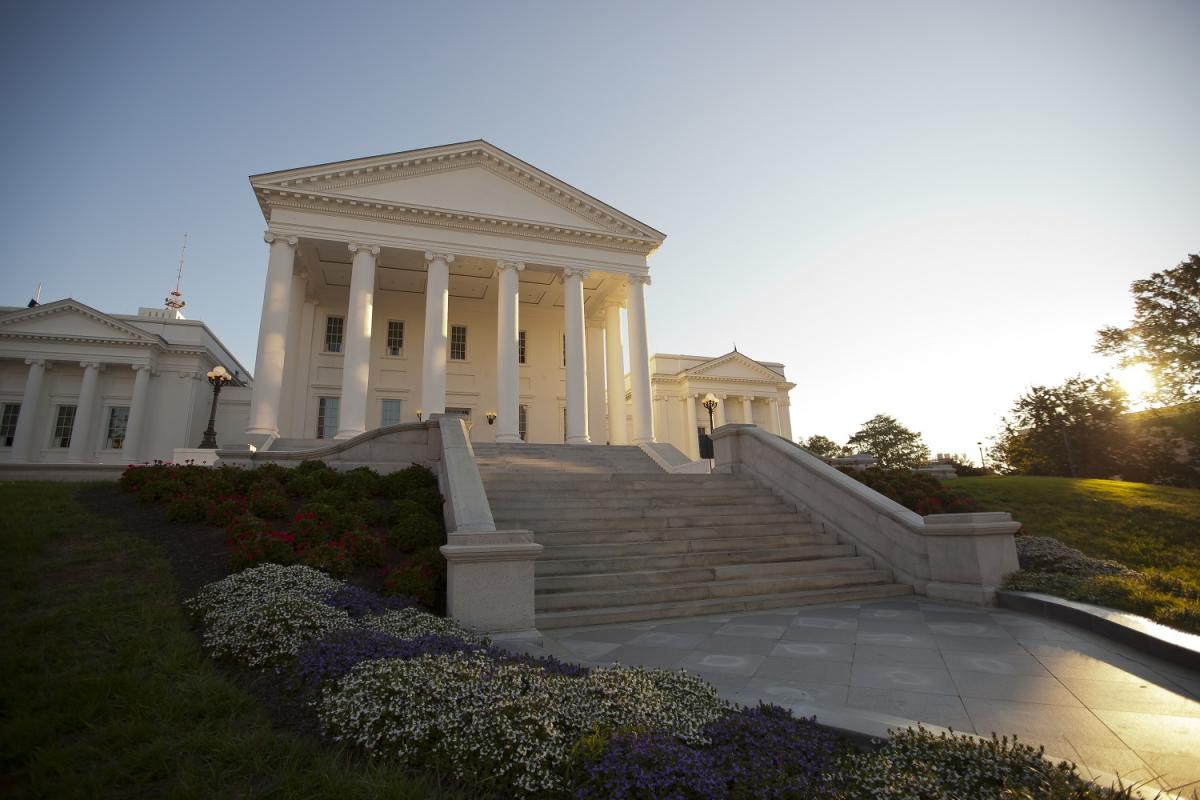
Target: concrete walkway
pixel 1087 699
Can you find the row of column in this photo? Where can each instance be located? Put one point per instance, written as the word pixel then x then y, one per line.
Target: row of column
pixel 692 402
pixel 86 410
pixel 352 416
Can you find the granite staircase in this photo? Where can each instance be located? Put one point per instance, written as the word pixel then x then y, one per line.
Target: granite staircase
pixel 625 541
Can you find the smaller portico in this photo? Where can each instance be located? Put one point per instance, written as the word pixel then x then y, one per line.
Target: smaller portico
pixel 747 392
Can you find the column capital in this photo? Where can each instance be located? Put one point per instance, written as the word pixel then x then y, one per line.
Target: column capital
pixel 354 247
pixel 517 265
pixel 572 272
pixel 644 280
pixel 96 365
pixel 149 369
pixel 37 362
pixel 612 300
pixel 270 237
pixel 432 256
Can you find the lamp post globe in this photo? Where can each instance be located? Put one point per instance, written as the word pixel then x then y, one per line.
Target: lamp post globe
pixel 217 377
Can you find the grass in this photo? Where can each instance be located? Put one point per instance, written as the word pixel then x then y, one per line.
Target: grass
pixel 107 693
pixel 1152 529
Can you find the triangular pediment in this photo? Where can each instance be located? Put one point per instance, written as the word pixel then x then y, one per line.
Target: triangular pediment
pixel 735 366
pixel 71 320
pixel 471 182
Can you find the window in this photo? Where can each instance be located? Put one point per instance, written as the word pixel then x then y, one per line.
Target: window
pixel 327 417
pixel 564 423
pixel 458 342
pixel 8 423
pixel 462 412
pixel 520 347
pixel 391 412
pixel 523 420
pixel 395 338
pixel 564 349
pixel 64 423
pixel 118 421
pixel 335 331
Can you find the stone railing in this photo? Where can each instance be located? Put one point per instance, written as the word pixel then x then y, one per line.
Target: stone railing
pixel 382 449
pixel 961 557
pixel 489 582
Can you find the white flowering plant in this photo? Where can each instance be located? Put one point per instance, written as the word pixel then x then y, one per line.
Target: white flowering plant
pixel 412 622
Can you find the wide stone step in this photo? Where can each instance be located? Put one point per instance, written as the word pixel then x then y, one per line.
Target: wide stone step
pixel 582 566
pixel 498 493
pixel 660 534
pixel 706 590
pixel 627 522
pixel 549 620
pixel 637 480
pixel 550 584
pixel 564 516
pixel 677 547
pixel 516 504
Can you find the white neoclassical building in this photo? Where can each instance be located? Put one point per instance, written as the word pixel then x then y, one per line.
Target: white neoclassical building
pixel 453 279
pixel 79 386
pixel 744 391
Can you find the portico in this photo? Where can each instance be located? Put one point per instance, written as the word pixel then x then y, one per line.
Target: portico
pixel 455 279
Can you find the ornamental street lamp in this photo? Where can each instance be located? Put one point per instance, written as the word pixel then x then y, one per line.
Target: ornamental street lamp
pixel 710 403
pixel 218 376
pixel 706 447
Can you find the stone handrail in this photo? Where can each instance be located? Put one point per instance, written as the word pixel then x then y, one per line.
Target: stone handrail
pixel 489 573
pixel 961 557
pixel 406 443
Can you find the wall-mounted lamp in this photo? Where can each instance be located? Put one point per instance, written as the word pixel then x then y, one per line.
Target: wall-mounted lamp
pixel 418 415
pixel 491 417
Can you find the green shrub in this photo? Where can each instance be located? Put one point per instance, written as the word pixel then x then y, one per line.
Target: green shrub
pixel 245 525
pixel 917 492
pixel 303 485
pixel 359 483
pixel 187 508
pixel 331 497
pixel 415 532
pixel 398 484
pixel 260 547
pixel 366 549
pixel 422 575
pixel 223 509
pixel 331 557
pixel 269 505
pixel 428 498
pixel 368 509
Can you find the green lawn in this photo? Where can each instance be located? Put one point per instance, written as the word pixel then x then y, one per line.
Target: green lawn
pixel 106 693
pixel 1153 529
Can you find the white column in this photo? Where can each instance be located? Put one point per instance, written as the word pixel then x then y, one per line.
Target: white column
pixel 577 422
pixel 615 366
pixel 595 383
pixel 775 426
pixel 31 401
pixel 748 410
pixel 508 386
pixel 437 309
pixel 301 377
pixel 272 336
pixel 662 420
pixel 693 442
pixel 294 359
pixel 137 414
pixel 89 395
pixel 785 419
pixel 356 363
pixel 639 359
pixel 720 411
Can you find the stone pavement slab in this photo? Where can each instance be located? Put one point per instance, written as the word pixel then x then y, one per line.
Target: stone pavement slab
pixel 1104 705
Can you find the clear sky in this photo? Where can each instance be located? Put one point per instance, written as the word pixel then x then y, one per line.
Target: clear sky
pixel 921 208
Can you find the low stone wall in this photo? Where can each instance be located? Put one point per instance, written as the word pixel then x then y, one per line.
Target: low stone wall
pixel 961 557
pixel 383 450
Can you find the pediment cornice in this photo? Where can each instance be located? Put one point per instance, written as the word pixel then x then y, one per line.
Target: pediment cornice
pixel 705 370
pixel 122 333
pixel 332 188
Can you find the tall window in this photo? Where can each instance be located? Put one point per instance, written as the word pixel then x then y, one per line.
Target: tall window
pixel 391 412
pixel 8 423
pixel 395 338
pixel 520 347
pixel 64 423
pixel 564 423
pixel 327 417
pixel 335 332
pixel 118 421
pixel 523 421
pixel 564 349
pixel 458 342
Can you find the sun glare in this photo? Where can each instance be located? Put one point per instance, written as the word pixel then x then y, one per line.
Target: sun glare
pixel 1137 381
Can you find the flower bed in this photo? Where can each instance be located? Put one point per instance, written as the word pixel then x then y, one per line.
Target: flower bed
pixel 401 684
pixel 339 523
pixel 917 492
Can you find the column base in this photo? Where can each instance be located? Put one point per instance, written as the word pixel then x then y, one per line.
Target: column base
pixel 579 440
pixel 262 432
pixel 644 441
pixel 509 438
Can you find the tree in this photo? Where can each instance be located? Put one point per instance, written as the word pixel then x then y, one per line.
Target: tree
pixel 892 444
pixel 1072 429
pixel 1165 334
pixel 823 447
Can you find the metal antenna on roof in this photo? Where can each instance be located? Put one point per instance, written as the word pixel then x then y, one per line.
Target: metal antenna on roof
pixel 174 300
pixel 37 297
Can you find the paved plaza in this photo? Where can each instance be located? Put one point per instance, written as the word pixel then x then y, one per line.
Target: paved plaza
pixel 872 665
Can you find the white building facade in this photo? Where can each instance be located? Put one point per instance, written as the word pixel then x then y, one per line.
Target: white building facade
pixel 454 279
pixel 78 386
pixel 745 391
